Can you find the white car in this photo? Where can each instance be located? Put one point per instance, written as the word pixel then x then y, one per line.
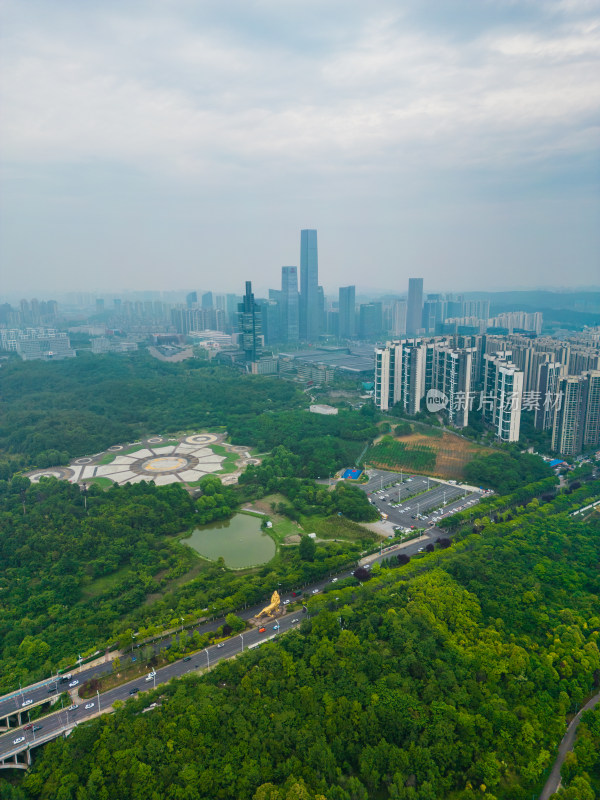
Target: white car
pixel 89 705
pixel 315 591
pixel 221 644
pixel 73 707
pixel 286 602
pixel 73 683
pixel 18 740
pixel 26 703
pixel 334 580
pixel 150 676
pixel 295 620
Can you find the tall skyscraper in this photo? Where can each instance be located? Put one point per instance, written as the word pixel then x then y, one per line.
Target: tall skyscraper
pixel 191 299
pixel 309 286
pixel 290 304
pixel 414 306
pixel 207 301
pixel 250 326
pixel 347 312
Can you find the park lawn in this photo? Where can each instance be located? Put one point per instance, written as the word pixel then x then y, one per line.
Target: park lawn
pixel 334 527
pixel 103 483
pixel 104 584
pixel 283 527
pixel 444 456
pixel 231 459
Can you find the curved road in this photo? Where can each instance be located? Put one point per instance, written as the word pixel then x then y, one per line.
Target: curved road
pixel 565 747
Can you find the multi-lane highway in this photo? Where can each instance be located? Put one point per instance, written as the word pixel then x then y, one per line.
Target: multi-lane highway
pixel 64 719
pixel 416 495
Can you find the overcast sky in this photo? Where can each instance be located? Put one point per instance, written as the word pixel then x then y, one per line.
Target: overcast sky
pixel 182 144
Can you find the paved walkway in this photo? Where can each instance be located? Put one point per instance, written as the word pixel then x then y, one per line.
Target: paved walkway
pixel 565 747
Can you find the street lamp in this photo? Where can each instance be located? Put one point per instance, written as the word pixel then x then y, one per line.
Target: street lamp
pixel 207 658
pixel 181 618
pixel 242 638
pixel 98 696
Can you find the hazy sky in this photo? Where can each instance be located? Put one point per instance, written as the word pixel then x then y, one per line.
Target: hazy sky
pixel 182 144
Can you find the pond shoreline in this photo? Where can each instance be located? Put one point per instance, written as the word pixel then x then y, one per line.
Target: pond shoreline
pixel 239 541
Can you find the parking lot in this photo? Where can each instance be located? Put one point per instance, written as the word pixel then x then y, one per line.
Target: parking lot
pixel 414 501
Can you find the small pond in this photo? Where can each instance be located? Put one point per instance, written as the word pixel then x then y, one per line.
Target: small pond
pixel 239 541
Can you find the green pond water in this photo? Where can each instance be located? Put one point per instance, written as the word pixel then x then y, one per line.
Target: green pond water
pixel 239 541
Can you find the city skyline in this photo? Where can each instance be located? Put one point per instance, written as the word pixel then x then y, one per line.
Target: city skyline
pixel 157 148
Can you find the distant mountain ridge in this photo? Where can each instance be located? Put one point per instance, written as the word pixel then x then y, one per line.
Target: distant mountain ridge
pixel 538 300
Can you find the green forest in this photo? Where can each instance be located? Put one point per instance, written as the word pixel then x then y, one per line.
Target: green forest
pixel 505 470
pixel 52 412
pixel 580 773
pixel 78 571
pixel 449 677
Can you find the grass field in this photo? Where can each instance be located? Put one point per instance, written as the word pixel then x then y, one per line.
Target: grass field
pixel 444 455
pixel 231 459
pixel 103 483
pixel 335 527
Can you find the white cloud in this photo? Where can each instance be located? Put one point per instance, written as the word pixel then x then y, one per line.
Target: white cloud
pixel 258 96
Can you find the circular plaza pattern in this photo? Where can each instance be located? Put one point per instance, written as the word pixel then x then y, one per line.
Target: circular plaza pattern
pixel 165 464
pixel 157 459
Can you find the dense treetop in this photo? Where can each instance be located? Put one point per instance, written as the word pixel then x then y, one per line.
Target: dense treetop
pixel 448 677
pixel 506 470
pixel 50 412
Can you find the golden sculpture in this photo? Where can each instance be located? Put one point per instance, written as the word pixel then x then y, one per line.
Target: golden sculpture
pixel 272 607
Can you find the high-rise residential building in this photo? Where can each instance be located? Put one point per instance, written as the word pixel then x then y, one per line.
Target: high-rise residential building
pixel 321 303
pixel 414 306
pixel 454 306
pixel 591 410
pixel 370 323
pixel 433 313
pixel 399 318
pixel 191 299
pixel 583 360
pixel 406 369
pixel 502 396
pixel 400 375
pixel 547 394
pixel 270 320
pixel 347 312
pixel 452 376
pixel 567 433
pixel 576 425
pixel 412 378
pixel 309 286
pixel 250 326
pixel 207 301
pixel 289 300
pixel 388 371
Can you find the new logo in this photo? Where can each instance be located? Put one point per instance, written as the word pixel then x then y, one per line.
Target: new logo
pixel 436 400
